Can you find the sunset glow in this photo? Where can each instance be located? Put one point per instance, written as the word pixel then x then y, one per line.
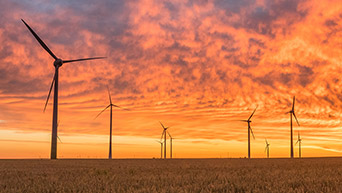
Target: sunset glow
pixel 197 66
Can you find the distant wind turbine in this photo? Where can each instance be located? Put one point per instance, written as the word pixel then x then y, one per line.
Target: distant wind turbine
pixel 299 141
pixel 161 149
pixel 171 138
pixel 59 139
pixel 111 105
pixel 164 134
pixel 267 148
pixel 57 135
pixel 292 112
pixel 250 131
pixel 57 63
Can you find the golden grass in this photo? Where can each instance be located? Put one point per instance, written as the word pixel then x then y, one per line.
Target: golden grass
pixel 178 175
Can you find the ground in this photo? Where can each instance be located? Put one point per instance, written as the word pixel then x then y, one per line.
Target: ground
pixel 177 175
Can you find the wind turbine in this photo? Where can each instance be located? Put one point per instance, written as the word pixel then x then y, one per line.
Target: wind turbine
pixel 299 141
pixel 164 134
pixel 57 135
pixel 57 63
pixel 171 138
pixel 292 112
pixel 267 148
pixel 111 105
pixel 250 131
pixel 161 149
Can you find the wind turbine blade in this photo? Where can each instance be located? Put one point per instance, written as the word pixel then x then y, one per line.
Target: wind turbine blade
pixel 265 149
pixel 117 106
pixel 162 125
pixel 110 98
pixel 40 41
pixel 47 99
pixel 293 103
pixel 266 141
pixel 77 60
pixel 120 107
pixel 295 118
pixel 102 111
pixel 252 113
pixel 169 134
pixel 252 132
pixel 297 142
pixel 159 141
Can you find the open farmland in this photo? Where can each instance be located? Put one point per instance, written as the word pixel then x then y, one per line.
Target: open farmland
pixel 177 175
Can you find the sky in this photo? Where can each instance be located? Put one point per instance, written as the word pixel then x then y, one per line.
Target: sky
pixel 197 66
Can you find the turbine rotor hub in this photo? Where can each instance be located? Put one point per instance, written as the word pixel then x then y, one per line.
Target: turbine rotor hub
pixel 58 63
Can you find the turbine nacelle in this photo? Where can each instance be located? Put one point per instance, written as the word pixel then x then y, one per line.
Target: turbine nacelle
pixel 164 128
pixel 267 144
pixel 58 63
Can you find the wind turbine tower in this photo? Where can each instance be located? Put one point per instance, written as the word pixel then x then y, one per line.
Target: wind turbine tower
pixel 111 105
pixel 292 113
pixel 267 148
pixel 161 149
pixel 249 132
pixel 299 141
pixel 171 138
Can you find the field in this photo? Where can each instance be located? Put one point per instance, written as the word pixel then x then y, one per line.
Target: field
pixel 177 175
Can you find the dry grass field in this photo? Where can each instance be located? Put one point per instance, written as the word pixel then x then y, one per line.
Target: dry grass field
pixel 177 175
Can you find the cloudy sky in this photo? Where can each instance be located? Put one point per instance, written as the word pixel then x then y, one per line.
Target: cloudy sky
pixel 197 66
